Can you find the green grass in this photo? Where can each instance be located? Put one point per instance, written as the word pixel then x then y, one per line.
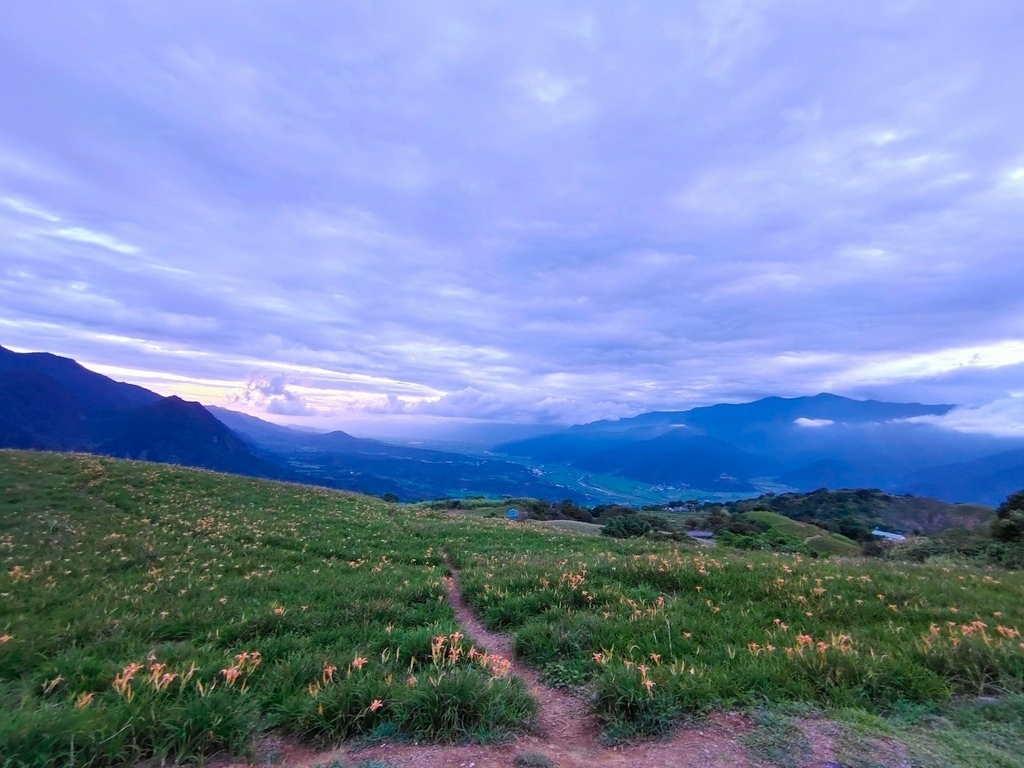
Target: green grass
pixel 670 633
pixel 593 529
pixel 107 564
pixel 817 539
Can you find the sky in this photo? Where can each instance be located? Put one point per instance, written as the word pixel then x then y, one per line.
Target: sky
pixel 389 216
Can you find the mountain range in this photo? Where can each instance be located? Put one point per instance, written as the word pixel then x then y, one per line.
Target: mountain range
pixel 53 403
pixel 799 443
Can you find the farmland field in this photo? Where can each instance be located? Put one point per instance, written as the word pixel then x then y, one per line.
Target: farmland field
pixel 150 611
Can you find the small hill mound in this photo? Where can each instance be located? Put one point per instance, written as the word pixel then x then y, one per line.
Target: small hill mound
pixel 817 539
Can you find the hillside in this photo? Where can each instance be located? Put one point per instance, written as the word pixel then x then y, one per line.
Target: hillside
pixel 53 403
pixel 856 512
pixel 153 612
pixel 774 444
pixel 813 537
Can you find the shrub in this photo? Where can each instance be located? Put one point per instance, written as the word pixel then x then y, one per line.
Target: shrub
pixel 626 527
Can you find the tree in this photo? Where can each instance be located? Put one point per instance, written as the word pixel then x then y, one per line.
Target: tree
pixel 625 527
pixel 1008 524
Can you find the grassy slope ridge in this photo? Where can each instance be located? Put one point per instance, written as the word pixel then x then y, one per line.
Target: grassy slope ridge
pixel 107 564
pixel 865 508
pixel 821 541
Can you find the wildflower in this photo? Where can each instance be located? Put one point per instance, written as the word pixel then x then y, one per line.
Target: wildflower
pixel 231 674
pixel 6 638
pixel 411 682
pixel 656 658
pixel 358 662
pixel 804 640
pixel 648 684
pixel 328 673
pixel 84 700
pixel 166 679
pixel 375 705
pixel 599 658
pixel 51 684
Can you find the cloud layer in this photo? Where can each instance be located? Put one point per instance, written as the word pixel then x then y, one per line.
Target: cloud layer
pixel 517 213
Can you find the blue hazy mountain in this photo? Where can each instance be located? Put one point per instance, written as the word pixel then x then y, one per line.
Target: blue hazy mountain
pixel 987 480
pixel 53 403
pixel 802 443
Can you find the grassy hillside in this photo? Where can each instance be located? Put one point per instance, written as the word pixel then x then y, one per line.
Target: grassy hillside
pixel 150 611
pixel 856 512
pixel 821 541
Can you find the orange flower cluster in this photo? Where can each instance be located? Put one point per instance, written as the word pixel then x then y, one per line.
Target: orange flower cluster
pixel 977 630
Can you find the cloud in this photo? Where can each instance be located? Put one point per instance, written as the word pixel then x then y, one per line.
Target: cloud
pixel 29 210
pixel 82 235
pixel 425 216
pixel 813 423
pixel 1003 417
pixel 272 395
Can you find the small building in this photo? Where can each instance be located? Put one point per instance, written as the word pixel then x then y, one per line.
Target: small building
pixel 888 536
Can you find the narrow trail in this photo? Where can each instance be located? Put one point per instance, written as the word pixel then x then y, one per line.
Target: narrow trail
pixel 563 718
pixel 569 735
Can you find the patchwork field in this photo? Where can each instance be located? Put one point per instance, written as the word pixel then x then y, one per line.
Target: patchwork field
pixel 154 612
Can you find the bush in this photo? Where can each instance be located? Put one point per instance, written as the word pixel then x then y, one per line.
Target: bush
pixel 1008 524
pixel 626 527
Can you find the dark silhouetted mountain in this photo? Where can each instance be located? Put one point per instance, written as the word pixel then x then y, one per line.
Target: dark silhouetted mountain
pixel 175 431
pixel 37 413
pixel 52 403
pixel 91 390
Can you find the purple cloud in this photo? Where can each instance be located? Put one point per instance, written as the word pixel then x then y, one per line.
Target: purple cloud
pixel 518 213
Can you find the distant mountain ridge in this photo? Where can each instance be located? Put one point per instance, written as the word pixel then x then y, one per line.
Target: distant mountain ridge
pixel 53 403
pixel 799 443
pixel 729 450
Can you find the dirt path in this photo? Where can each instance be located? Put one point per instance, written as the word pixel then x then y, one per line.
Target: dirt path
pixel 569 737
pixel 563 718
